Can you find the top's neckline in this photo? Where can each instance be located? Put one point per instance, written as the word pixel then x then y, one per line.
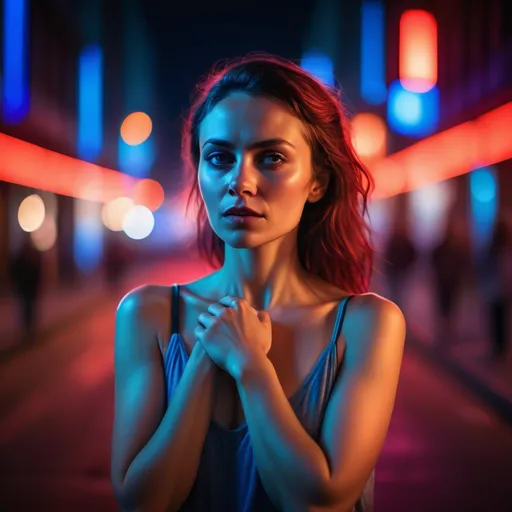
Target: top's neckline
pixel 294 399
pixel 296 396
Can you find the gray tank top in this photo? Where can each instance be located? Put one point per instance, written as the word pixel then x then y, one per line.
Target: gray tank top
pixel 227 479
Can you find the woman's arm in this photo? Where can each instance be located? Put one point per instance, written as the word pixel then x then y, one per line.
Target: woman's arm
pixel 155 451
pixel 299 474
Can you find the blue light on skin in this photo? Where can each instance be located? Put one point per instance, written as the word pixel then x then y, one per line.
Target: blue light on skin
pixel 320 66
pixel 136 160
pixel 90 103
pixel 373 74
pixel 410 113
pixel 16 98
pixel 483 187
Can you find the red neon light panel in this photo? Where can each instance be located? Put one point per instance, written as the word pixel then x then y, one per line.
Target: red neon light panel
pixel 418 51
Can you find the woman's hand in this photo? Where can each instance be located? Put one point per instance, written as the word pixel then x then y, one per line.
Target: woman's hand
pixel 233 333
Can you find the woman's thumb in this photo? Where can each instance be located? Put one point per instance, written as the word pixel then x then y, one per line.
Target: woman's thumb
pixel 264 317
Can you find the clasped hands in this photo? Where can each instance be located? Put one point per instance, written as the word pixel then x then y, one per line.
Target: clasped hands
pixel 234 334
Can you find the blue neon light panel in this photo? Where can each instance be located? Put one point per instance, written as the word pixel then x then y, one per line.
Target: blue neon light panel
pixel 15 93
pixel 484 204
pixel 90 103
pixel 320 66
pixel 136 160
pixel 373 72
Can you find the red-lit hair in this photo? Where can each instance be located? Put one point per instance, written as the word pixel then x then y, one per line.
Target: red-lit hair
pixel 333 236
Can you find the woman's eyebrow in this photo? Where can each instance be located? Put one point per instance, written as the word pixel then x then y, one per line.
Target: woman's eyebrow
pixel 255 145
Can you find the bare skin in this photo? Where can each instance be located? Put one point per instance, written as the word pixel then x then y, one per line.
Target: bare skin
pixel 302 330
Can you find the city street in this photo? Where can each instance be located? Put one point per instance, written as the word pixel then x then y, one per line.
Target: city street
pixel 445 451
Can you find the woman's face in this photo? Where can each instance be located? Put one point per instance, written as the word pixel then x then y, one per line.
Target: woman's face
pixel 253 153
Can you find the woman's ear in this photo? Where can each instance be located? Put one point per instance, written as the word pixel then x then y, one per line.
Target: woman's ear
pixel 318 186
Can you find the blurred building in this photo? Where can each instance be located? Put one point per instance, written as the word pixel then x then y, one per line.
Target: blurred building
pixel 472 85
pixel 63 85
pixel 49 64
pixel 73 71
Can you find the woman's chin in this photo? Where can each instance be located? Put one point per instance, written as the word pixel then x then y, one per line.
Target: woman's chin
pixel 242 240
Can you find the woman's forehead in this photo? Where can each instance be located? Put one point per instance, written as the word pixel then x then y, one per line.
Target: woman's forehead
pixel 243 120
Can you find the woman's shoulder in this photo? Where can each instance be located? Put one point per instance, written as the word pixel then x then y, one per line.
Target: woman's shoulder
pixel 371 318
pixel 143 298
pixel 373 305
pixel 153 303
pixel 372 300
pixel 145 312
pixel 364 303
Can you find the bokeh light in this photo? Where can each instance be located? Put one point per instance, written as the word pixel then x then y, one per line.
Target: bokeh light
pixel 410 113
pixel 429 207
pixel 31 213
pixel 45 237
pixel 373 52
pixel 148 193
pixel 87 235
pixel 136 128
pixel 319 65
pixel 15 88
pixel 114 212
pixel 418 51
pixel 138 222
pixel 483 185
pixel 136 160
pixel 90 103
pixel 369 136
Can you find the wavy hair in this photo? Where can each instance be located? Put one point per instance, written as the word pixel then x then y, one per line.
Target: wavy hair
pixel 333 236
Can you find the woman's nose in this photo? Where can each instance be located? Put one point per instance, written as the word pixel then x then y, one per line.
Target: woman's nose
pixel 243 179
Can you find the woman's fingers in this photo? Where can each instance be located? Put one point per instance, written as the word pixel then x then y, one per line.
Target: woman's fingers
pixel 206 320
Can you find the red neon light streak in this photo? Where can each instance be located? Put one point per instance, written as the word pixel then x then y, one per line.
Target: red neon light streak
pixel 478 143
pixel 481 142
pixel 418 51
pixel 32 166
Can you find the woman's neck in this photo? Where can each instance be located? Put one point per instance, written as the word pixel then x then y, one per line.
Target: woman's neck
pixel 264 276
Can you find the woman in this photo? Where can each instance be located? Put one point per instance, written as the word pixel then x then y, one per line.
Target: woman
pixel 274 392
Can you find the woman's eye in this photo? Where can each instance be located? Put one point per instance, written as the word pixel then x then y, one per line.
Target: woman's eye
pixel 224 159
pixel 273 159
pixel 219 159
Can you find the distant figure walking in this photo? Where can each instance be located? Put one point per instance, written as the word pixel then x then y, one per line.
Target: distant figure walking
pixel 400 255
pixel 26 270
pixel 451 270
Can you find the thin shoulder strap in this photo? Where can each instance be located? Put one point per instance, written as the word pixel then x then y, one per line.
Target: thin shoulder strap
pixel 342 309
pixel 175 308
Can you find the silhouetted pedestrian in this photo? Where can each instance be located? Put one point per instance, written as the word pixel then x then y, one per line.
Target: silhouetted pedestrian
pixel 400 255
pixel 450 262
pixel 26 269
